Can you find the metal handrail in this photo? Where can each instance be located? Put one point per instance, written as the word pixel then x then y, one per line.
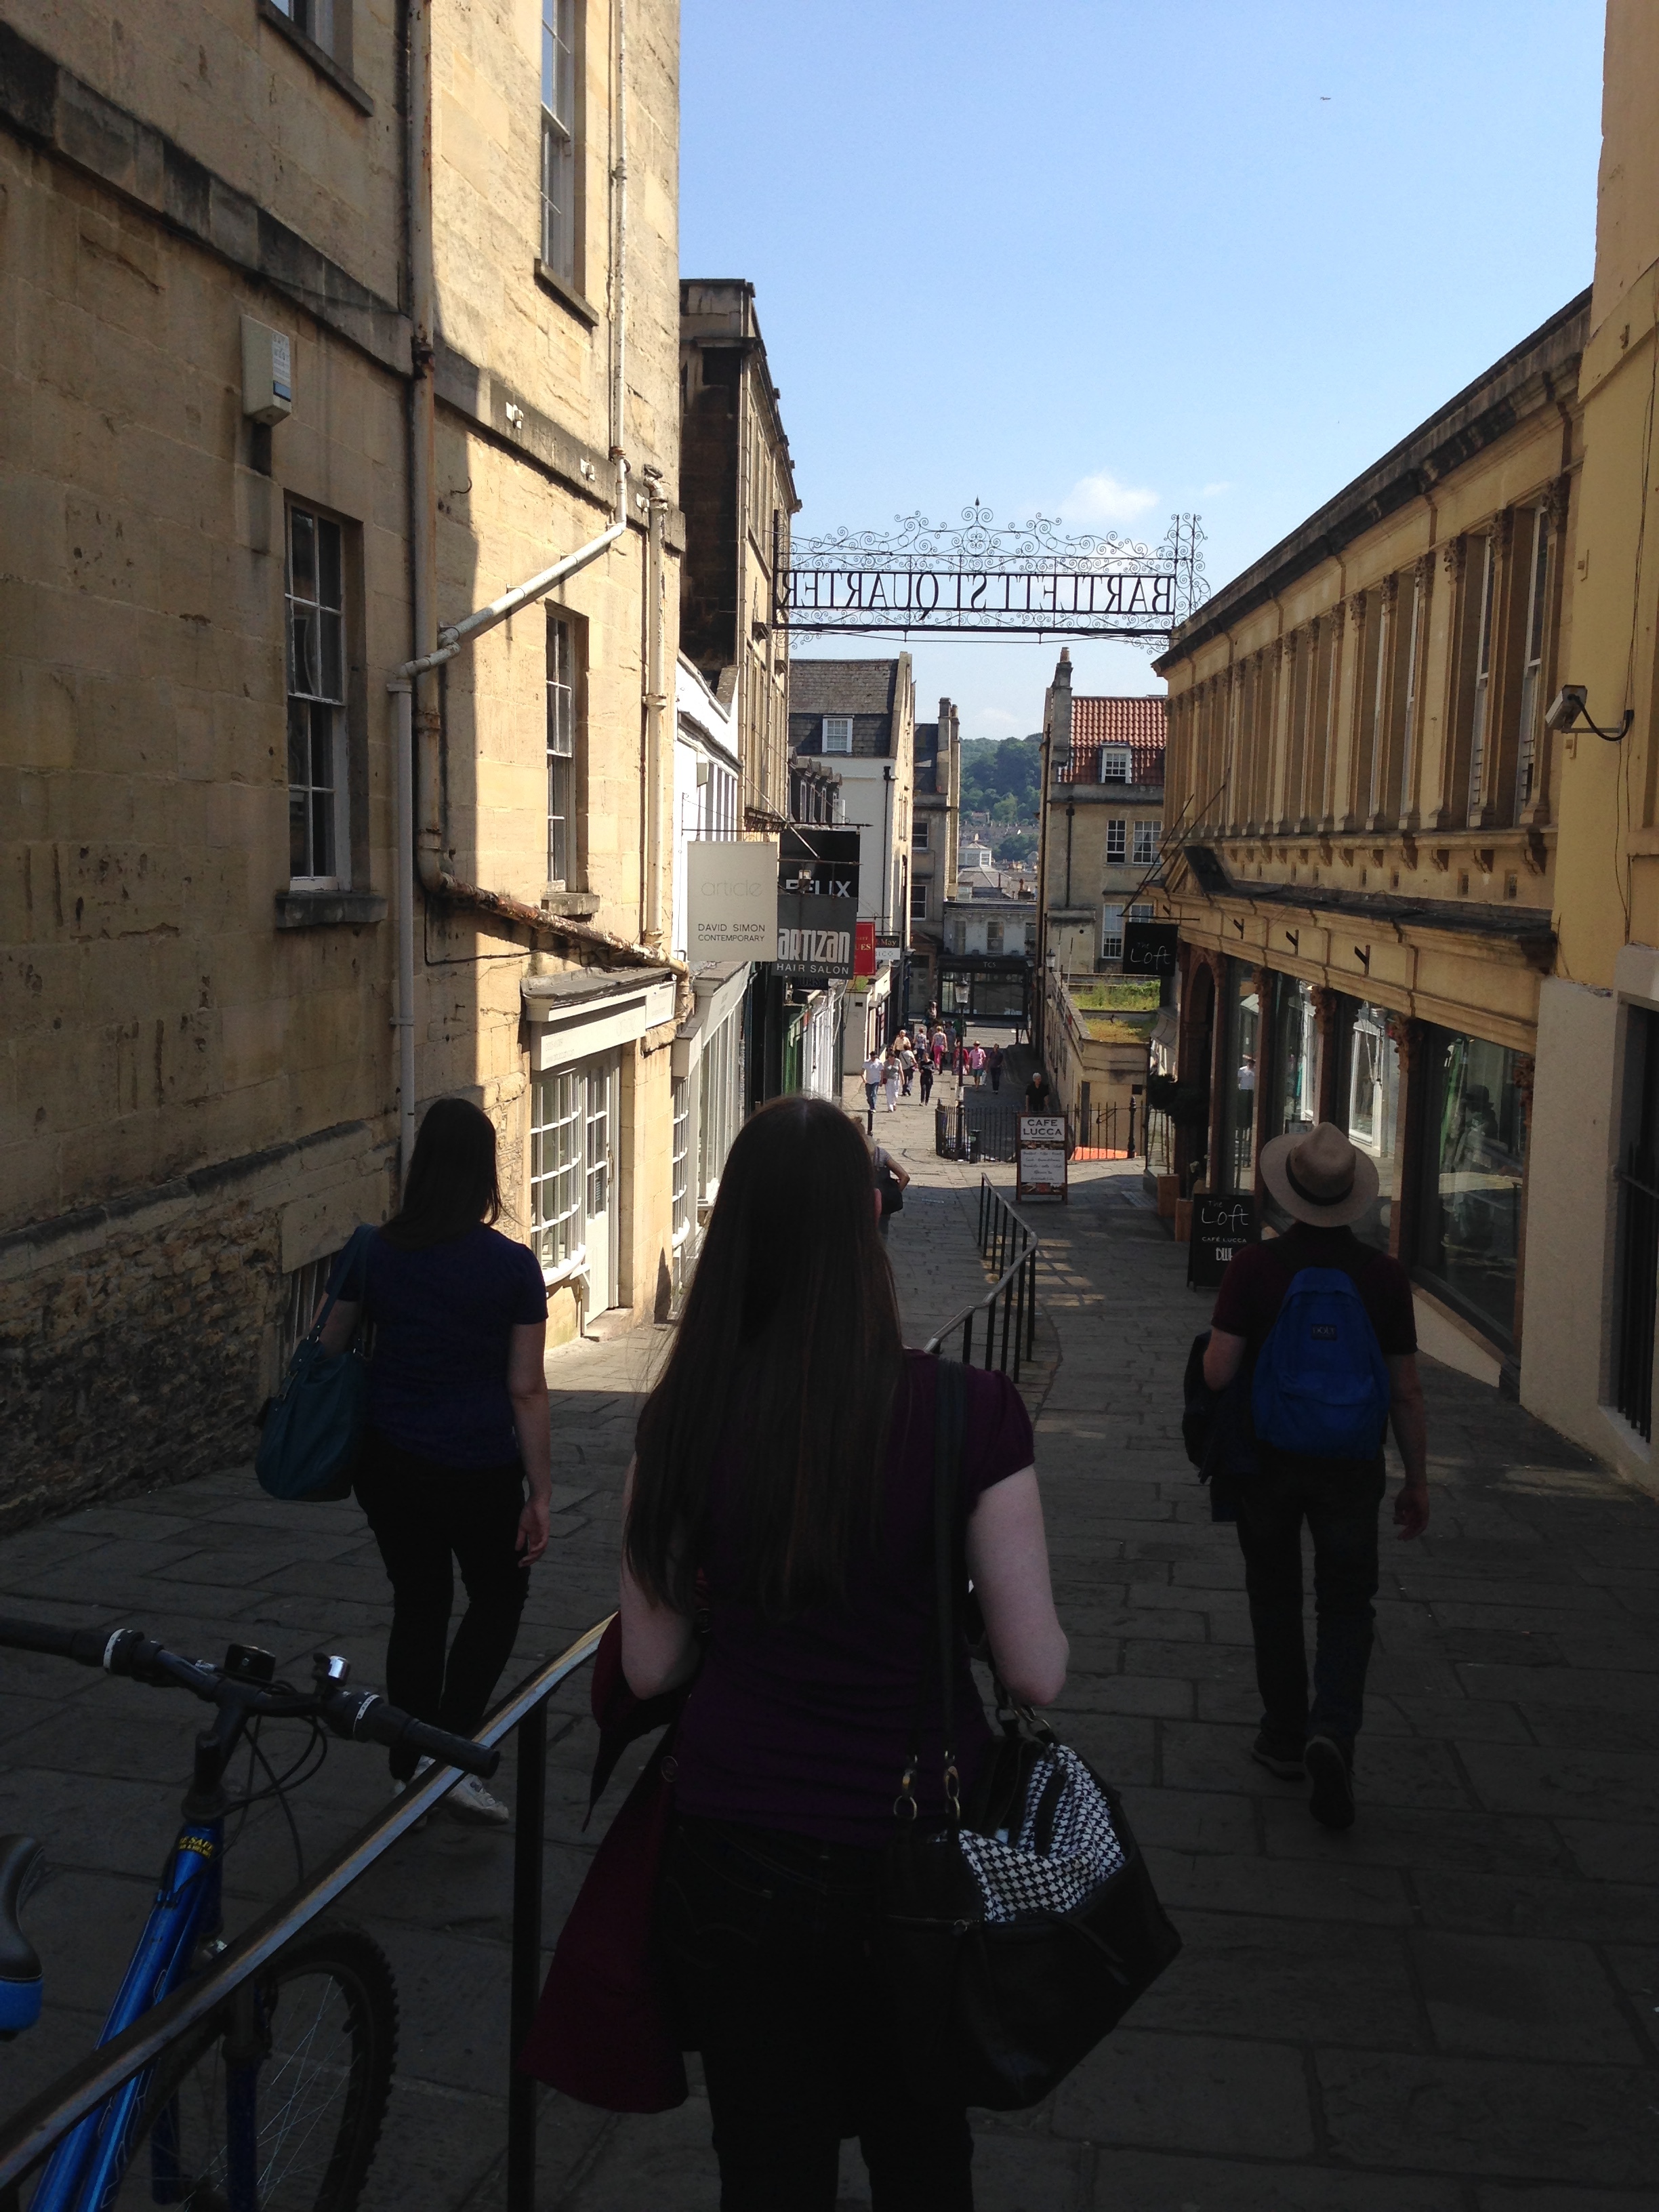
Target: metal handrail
pixel 1000 1230
pixel 33 2129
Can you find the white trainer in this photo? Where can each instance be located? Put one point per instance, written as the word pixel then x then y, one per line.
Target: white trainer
pixel 470 1800
pixel 399 1788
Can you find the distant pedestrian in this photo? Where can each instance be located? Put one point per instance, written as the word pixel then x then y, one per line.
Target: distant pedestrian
pixel 996 1068
pixel 977 1064
pixel 1039 1099
pixel 875 1074
pixel 941 1048
pixel 908 1062
pixel 457 1424
pixel 894 1078
pixel 925 1069
pixel 1324 1325
pixel 891 1182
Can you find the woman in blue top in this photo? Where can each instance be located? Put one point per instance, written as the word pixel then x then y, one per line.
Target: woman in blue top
pixel 457 1424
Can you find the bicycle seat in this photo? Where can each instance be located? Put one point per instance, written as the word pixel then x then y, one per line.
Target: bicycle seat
pixel 23 1862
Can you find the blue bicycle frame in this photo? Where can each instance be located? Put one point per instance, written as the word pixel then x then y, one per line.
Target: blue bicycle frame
pixel 86 2169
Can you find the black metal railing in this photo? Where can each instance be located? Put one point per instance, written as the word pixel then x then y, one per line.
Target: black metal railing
pixel 1639 1294
pixel 1009 1244
pixel 975 1128
pixel 32 2129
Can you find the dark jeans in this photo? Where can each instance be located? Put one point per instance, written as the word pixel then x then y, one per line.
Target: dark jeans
pixel 1338 1501
pixel 422 1515
pixel 770 1941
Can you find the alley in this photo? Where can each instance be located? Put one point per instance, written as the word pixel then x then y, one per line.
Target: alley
pixel 1450 2009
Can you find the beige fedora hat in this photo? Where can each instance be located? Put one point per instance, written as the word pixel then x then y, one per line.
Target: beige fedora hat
pixel 1319 1177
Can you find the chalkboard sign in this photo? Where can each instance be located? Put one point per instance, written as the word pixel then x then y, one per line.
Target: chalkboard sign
pixel 1149 948
pixel 1223 1223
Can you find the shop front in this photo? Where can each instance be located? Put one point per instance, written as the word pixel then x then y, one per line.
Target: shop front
pixel 1442 1112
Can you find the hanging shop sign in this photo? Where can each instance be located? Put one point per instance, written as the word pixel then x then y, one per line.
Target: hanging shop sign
pixel 731 899
pixel 864 948
pixel 814 935
pixel 1149 948
pixel 826 861
pixel 1223 1224
pixel 1039 1170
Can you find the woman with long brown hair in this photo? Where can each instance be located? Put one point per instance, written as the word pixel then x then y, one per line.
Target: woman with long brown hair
pixel 782 1496
pixel 458 1428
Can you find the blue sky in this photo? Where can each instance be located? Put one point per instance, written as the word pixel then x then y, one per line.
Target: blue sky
pixel 1109 260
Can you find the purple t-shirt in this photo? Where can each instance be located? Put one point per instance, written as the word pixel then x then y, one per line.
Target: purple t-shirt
pixel 805 1727
pixel 443 1320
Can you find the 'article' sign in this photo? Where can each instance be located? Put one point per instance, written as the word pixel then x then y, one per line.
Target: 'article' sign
pixel 731 899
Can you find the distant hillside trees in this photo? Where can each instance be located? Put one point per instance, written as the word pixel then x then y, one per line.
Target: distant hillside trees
pixel 1001 777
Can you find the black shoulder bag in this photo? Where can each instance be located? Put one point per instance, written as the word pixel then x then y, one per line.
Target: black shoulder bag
pixel 1017 1937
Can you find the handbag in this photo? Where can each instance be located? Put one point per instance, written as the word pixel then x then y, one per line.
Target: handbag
pixel 314 1427
pixel 603 2030
pixel 1014 1940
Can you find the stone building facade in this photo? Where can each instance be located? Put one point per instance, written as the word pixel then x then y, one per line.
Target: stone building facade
pixel 737 489
pixel 200 1065
pixel 1103 822
pixel 935 824
pixel 1365 792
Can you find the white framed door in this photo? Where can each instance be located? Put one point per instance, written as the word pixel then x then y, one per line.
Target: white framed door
pixel 600 1201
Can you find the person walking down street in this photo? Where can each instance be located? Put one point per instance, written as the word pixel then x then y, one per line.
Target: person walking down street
pixel 783 1494
pixel 925 1069
pixel 891 1181
pixel 458 1428
pixel 941 1049
pixel 875 1074
pixel 996 1068
pixel 977 1064
pixel 893 1076
pixel 908 1062
pixel 1325 1327
pixel 1039 1099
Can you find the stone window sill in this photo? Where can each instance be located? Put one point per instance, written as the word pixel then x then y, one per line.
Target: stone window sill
pixel 329 910
pixel 566 295
pixel 574 906
pixel 318 56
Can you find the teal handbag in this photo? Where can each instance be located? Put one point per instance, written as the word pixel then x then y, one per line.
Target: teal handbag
pixel 313 1431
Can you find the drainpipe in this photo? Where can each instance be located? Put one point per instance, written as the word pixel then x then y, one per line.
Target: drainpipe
pixel 619 270
pixel 655 702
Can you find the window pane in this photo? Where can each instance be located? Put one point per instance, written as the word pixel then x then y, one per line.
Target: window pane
pixel 331 657
pixel 298 860
pixel 302 554
pixel 329 590
pixel 298 742
pixel 1474 1157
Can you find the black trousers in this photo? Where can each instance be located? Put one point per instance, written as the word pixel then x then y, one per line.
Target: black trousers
pixel 768 1939
pixel 425 1517
pixel 1338 1499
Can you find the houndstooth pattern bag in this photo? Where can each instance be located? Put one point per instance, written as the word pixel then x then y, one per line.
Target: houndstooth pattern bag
pixel 1060 1868
pixel 1018 1933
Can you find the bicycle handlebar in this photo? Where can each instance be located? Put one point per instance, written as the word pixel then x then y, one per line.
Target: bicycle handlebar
pixel 361 1714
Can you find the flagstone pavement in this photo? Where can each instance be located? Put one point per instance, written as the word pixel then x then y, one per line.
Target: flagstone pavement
pixel 1454 2007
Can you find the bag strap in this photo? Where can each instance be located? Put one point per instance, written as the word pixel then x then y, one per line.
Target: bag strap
pixel 950 1415
pixel 354 1244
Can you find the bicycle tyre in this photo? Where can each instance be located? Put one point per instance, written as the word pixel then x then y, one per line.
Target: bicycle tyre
pixel 328 2007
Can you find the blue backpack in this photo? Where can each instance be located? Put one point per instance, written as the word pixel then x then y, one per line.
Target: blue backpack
pixel 1321 1383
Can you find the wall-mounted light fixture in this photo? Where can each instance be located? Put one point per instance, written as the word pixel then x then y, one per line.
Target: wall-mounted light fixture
pixel 1569 709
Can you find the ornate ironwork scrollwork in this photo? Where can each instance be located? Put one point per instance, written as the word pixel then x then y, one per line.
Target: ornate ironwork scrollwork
pixel 977 577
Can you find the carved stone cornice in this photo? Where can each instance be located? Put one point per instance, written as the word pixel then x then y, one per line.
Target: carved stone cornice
pixel 1556 500
pixel 1387 592
pixel 1453 553
pixel 1502 530
pixel 1357 610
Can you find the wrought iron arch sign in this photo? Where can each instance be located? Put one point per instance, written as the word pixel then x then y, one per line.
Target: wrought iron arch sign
pixel 976 580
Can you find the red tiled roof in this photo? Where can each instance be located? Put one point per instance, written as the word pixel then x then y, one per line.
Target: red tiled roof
pixel 1140 723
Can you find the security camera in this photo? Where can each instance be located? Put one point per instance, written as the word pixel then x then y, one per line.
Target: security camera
pixel 1567 706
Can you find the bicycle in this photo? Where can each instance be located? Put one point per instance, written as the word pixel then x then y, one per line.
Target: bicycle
pixel 273 2102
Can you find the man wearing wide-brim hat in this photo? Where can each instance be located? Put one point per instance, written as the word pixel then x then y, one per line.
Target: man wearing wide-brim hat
pixel 1326 1185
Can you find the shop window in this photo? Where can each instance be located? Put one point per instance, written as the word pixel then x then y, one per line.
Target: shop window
pixel 1118 841
pixel 1636 1258
pixel 318 828
pixel 556 1166
pixel 1368 1099
pixel 1244 1055
pixel 559 138
pixel 1295 1059
pixel 1474 1155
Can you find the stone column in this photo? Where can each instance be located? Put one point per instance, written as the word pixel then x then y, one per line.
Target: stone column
pixel 1324 1012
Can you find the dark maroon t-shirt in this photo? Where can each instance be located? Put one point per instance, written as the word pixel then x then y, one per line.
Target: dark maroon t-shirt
pixel 1253 1287
pixel 805 1727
